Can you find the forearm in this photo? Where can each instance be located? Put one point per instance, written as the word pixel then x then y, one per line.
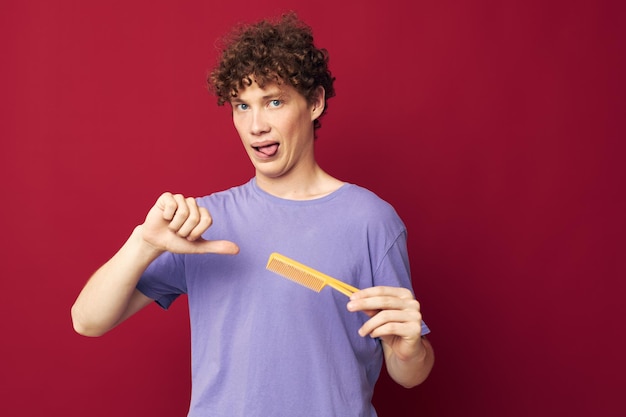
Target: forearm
pixel 105 299
pixel 412 371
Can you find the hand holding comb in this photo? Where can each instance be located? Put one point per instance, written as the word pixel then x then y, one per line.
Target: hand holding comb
pixel 305 275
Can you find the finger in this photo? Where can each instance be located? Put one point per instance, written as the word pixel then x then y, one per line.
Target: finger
pixel 181 214
pixel 406 331
pixel 167 204
pixel 192 220
pixel 222 247
pixel 383 303
pixel 377 291
pixel 202 226
pixel 406 324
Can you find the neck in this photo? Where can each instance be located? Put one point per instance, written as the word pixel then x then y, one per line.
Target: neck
pixel 304 185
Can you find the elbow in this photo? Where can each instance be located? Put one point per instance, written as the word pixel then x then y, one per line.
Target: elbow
pixel 415 382
pixel 82 327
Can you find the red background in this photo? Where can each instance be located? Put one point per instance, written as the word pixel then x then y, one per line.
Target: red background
pixel 495 128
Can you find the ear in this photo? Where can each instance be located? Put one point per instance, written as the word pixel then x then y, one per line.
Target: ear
pixel 317 107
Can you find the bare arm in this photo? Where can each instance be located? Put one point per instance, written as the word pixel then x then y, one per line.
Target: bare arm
pixel 110 295
pixel 174 224
pixel 410 372
pixel 396 319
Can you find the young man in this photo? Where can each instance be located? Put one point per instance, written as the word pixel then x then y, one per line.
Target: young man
pixel 262 345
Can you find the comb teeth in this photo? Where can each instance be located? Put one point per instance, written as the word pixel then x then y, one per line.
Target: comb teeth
pixel 295 274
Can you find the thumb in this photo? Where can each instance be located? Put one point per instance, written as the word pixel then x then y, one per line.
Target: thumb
pixel 222 247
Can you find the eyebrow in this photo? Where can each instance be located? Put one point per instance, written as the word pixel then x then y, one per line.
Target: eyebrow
pixel 276 94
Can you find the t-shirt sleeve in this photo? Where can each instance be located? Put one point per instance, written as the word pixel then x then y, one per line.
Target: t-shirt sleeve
pixel 164 279
pixel 394 269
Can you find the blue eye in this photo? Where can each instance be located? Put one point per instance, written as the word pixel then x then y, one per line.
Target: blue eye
pixel 275 103
pixel 242 106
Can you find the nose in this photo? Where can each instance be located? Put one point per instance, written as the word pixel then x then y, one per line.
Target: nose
pixel 260 124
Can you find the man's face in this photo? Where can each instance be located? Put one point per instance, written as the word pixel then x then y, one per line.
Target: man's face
pixel 275 124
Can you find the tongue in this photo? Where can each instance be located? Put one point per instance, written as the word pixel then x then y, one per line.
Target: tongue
pixel 269 150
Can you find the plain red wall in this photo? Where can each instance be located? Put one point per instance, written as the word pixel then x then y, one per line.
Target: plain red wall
pixel 495 128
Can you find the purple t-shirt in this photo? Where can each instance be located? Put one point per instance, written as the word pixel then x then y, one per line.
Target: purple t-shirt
pixel 263 345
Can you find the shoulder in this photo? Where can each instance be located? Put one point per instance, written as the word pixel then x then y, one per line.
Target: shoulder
pixel 362 193
pixel 366 207
pixel 359 196
pixel 232 194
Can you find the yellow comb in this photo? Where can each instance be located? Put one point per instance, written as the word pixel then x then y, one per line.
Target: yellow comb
pixel 305 275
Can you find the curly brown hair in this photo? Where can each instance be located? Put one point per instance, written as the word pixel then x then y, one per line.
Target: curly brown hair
pixel 272 52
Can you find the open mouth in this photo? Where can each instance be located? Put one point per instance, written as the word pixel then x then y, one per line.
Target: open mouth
pixel 268 150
